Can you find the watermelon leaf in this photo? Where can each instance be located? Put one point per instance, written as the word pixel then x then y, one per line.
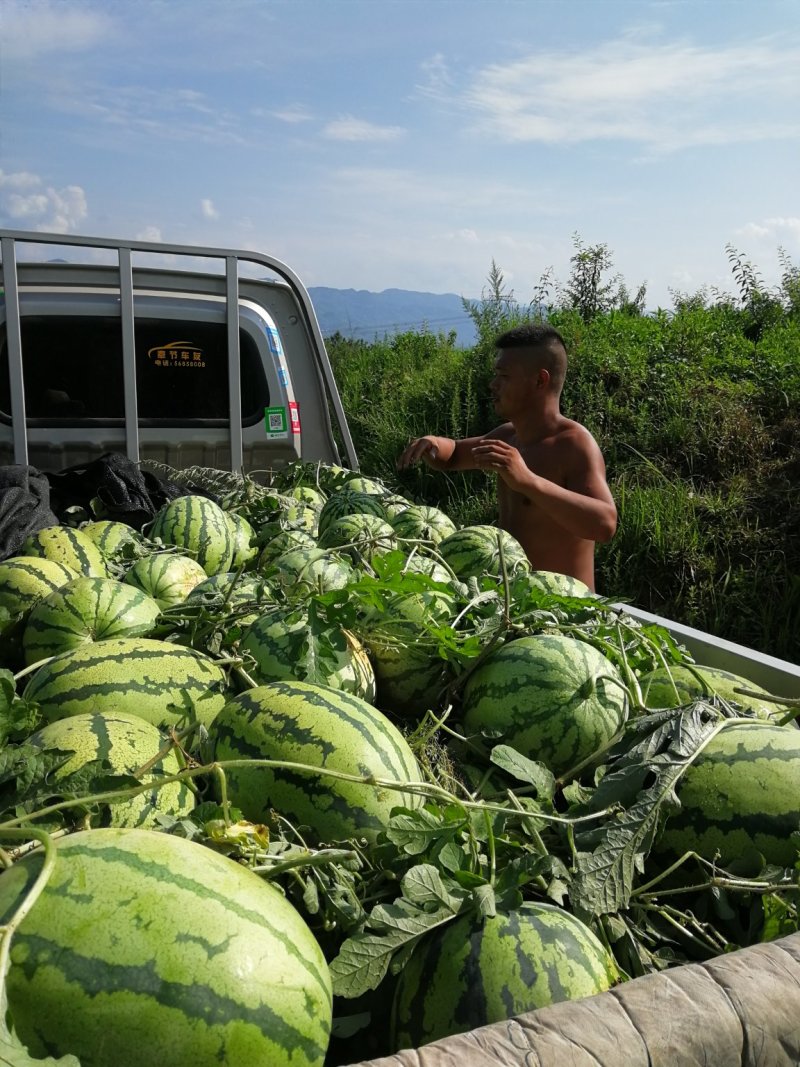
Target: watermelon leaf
pixel 14 1054
pixel 646 776
pixel 525 770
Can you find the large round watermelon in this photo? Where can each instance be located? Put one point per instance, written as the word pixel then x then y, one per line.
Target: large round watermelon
pixel 301 572
pixel 471 973
pixel 125 743
pixel 300 722
pixel 421 522
pixel 280 645
pixel 156 680
pixel 349 502
pixel 244 542
pixel 683 684
pixel 474 551
pixel 199 526
pixel 112 538
pixel 71 547
pixel 24 580
pixel 86 610
pixel 361 537
pixel 741 793
pixel 145 948
pixel 553 698
pixel 166 577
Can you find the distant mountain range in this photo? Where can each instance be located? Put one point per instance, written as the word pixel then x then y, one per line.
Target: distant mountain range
pixel 360 314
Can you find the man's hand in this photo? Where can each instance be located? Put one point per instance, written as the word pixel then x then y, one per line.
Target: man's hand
pixel 423 448
pixel 493 454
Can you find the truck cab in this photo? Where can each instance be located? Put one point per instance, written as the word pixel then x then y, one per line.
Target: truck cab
pixel 188 356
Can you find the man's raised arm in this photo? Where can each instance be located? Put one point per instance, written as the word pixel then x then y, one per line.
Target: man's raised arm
pixel 440 453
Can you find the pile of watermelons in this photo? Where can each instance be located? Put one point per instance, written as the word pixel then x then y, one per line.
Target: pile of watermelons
pixel 301 773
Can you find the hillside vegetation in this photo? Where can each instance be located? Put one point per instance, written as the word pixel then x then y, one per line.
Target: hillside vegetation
pixel 696 409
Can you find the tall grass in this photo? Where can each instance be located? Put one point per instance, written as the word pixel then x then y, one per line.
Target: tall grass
pixel 695 410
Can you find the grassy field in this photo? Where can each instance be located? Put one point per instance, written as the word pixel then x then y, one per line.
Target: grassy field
pixel 696 408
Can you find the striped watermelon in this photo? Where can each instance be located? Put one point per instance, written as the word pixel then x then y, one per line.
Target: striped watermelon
pixel 73 548
pixel 470 973
pixel 199 527
pixel 301 572
pixel 556 584
pixel 145 948
pixel 308 495
pixel 423 523
pixel 476 550
pixel 293 517
pixel 233 588
pixel 24 580
pixel 166 577
pixel 284 541
pixel 421 564
pixel 125 743
pixel 349 502
pixel 137 676
pixel 741 793
pixel 393 504
pixel 244 542
pixel 112 537
pixel 359 536
pixel 358 483
pixel 683 684
pixel 86 610
pixel 553 698
pixel 312 724
pixel 282 647
pixel 409 672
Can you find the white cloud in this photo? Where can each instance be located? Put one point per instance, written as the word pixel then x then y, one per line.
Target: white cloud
pixel 349 128
pixel 30 29
pixel 208 210
pixel 150 233
pixel 292 113
pixel 437 78
pixel 778 229
pixel 26 200
pixel 664 95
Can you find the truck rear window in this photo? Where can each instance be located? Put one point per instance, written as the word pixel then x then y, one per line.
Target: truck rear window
pixel 73 372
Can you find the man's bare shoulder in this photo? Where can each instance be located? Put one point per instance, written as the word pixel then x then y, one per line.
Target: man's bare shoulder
pixel 574 436
pixel 504 432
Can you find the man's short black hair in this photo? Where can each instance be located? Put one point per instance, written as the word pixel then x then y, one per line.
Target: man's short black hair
pixel 530 335
pixel 542 343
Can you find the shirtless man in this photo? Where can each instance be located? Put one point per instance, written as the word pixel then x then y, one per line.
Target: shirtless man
pixel 551 488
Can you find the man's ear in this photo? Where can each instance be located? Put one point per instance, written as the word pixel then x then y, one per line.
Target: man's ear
pixel 543 378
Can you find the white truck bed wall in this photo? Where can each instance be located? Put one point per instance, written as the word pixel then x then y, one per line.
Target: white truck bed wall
pixel 775 676
pixel 738 1010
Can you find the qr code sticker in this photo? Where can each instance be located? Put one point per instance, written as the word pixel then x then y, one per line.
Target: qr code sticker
pixel 275 421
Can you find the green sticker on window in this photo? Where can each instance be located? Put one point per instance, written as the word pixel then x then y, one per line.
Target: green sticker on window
pixel 275 422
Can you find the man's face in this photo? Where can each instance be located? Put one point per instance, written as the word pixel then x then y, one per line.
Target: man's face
pixel 512 384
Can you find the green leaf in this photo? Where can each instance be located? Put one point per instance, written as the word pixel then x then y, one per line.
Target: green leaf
pixel 416 831
pixel 524 770
pixel 14 1054
pixel 424 885
pixel 486 901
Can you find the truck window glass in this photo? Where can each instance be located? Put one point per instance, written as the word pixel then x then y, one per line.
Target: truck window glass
pixel 181 372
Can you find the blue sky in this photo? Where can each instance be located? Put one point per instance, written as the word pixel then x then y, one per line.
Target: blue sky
pixel 408 143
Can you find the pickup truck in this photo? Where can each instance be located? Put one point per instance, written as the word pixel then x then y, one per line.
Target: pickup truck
pixel 215 368
pixel 131 347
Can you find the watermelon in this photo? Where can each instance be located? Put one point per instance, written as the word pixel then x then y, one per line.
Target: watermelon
pixel 349 502
pixel 145 948
pixel 244 542
pixel 556 584
pixel 358 483
pixel 199 527
pixel 359 536
pixel 309 496
pixel 474 551
pixel 300 572
pixel 553 698
pixel 73 548
pixel 86 610
pixel 741 793
pixel 293 517
pixel 393 504
pixel 421 564
pixel 312 724
pixel 112 537
pixel 166 577
pixel 125 743
pixel 409 672
pixel 423 523
pixel 138 676
pixel 470 973
pixel 24 580
pixel 233 588
pixel 282 645
pixel 685 683
pixel 283 541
